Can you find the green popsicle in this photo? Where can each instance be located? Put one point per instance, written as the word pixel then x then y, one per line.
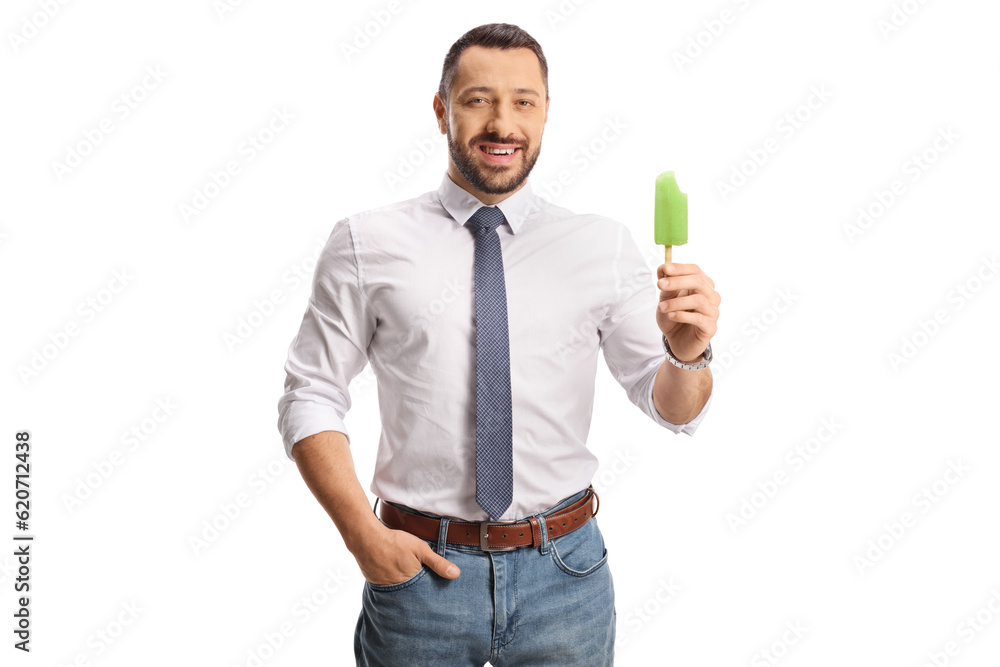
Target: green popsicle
pixel 670 220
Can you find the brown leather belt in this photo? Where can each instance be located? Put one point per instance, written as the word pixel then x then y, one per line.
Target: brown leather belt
pixel 494 535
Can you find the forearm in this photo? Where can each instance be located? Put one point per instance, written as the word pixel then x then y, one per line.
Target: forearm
pixel 679 394
pixel 326 465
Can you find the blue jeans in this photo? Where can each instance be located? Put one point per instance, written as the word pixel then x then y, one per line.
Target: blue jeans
pixel 549 605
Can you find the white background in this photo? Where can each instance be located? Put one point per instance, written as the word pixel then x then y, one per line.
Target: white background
pixel 812 315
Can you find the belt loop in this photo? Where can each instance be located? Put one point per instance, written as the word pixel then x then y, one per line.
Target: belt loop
pixel 544 548
pixel 536 531
pixel 442 547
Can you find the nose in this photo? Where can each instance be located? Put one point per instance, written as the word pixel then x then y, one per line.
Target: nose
pixel 500 121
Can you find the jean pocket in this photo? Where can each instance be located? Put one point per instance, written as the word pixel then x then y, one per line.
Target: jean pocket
pixel 581 552
pixel 388 588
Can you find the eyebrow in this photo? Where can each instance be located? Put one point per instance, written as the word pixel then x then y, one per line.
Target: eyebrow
pixel 487 89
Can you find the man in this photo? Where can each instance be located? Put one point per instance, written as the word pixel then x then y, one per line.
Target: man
pixel 481 309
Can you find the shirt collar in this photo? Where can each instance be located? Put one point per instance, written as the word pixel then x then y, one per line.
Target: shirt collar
pixel 461 204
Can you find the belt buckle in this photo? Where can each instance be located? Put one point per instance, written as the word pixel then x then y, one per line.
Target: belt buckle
pixel 484 527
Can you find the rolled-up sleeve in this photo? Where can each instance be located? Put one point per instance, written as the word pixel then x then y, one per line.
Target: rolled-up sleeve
pixel 331 346
pixel 630 339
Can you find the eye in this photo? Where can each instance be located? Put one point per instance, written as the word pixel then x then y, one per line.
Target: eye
pixel 526 103
pixel 476 100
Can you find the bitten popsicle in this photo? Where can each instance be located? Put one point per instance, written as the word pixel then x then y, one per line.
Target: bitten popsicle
pixel 670 219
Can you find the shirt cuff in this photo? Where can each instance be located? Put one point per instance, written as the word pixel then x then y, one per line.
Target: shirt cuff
pixel 305 418
pixel 690 427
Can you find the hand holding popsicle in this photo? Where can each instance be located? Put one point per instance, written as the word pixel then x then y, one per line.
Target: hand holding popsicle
pixel 688 312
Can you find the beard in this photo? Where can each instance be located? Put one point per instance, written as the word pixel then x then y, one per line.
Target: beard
pixel 491 178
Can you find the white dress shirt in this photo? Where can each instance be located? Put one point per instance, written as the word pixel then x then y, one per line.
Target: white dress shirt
pixel 394 287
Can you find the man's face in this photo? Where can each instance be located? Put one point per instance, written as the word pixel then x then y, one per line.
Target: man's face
pixel 494 119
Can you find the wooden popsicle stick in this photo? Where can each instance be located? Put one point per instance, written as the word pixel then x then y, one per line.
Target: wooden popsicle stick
pixel 667 254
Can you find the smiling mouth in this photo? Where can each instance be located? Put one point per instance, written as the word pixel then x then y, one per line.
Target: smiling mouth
pixel 490 150
pixel 499 155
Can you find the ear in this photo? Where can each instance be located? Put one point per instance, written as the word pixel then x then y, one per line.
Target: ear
pixel 441 112
pixel 545 118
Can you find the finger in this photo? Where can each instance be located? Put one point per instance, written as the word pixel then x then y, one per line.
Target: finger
pixel 673 294
pixel 661 272
pixel 711 295
pixel 442 566
pixel 697 281
pixel 671 270
pixel 704 323
pixel 675 269
pixel 697 302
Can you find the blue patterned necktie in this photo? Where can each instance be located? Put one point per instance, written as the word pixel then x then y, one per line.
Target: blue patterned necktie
pixel 494 424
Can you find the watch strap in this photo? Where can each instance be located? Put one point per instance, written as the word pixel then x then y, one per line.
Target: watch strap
pixel 695 366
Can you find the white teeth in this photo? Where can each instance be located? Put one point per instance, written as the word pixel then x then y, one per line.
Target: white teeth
pixel 498 151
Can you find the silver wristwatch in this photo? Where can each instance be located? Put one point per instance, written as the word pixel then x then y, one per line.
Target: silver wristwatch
pixel 697 366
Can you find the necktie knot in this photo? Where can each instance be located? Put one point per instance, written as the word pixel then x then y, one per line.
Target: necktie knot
pixel 487 218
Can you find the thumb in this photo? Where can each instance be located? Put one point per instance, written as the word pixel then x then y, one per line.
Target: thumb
pixel 442 566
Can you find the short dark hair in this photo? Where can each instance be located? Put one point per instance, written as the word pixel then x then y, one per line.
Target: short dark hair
pixel 491 36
